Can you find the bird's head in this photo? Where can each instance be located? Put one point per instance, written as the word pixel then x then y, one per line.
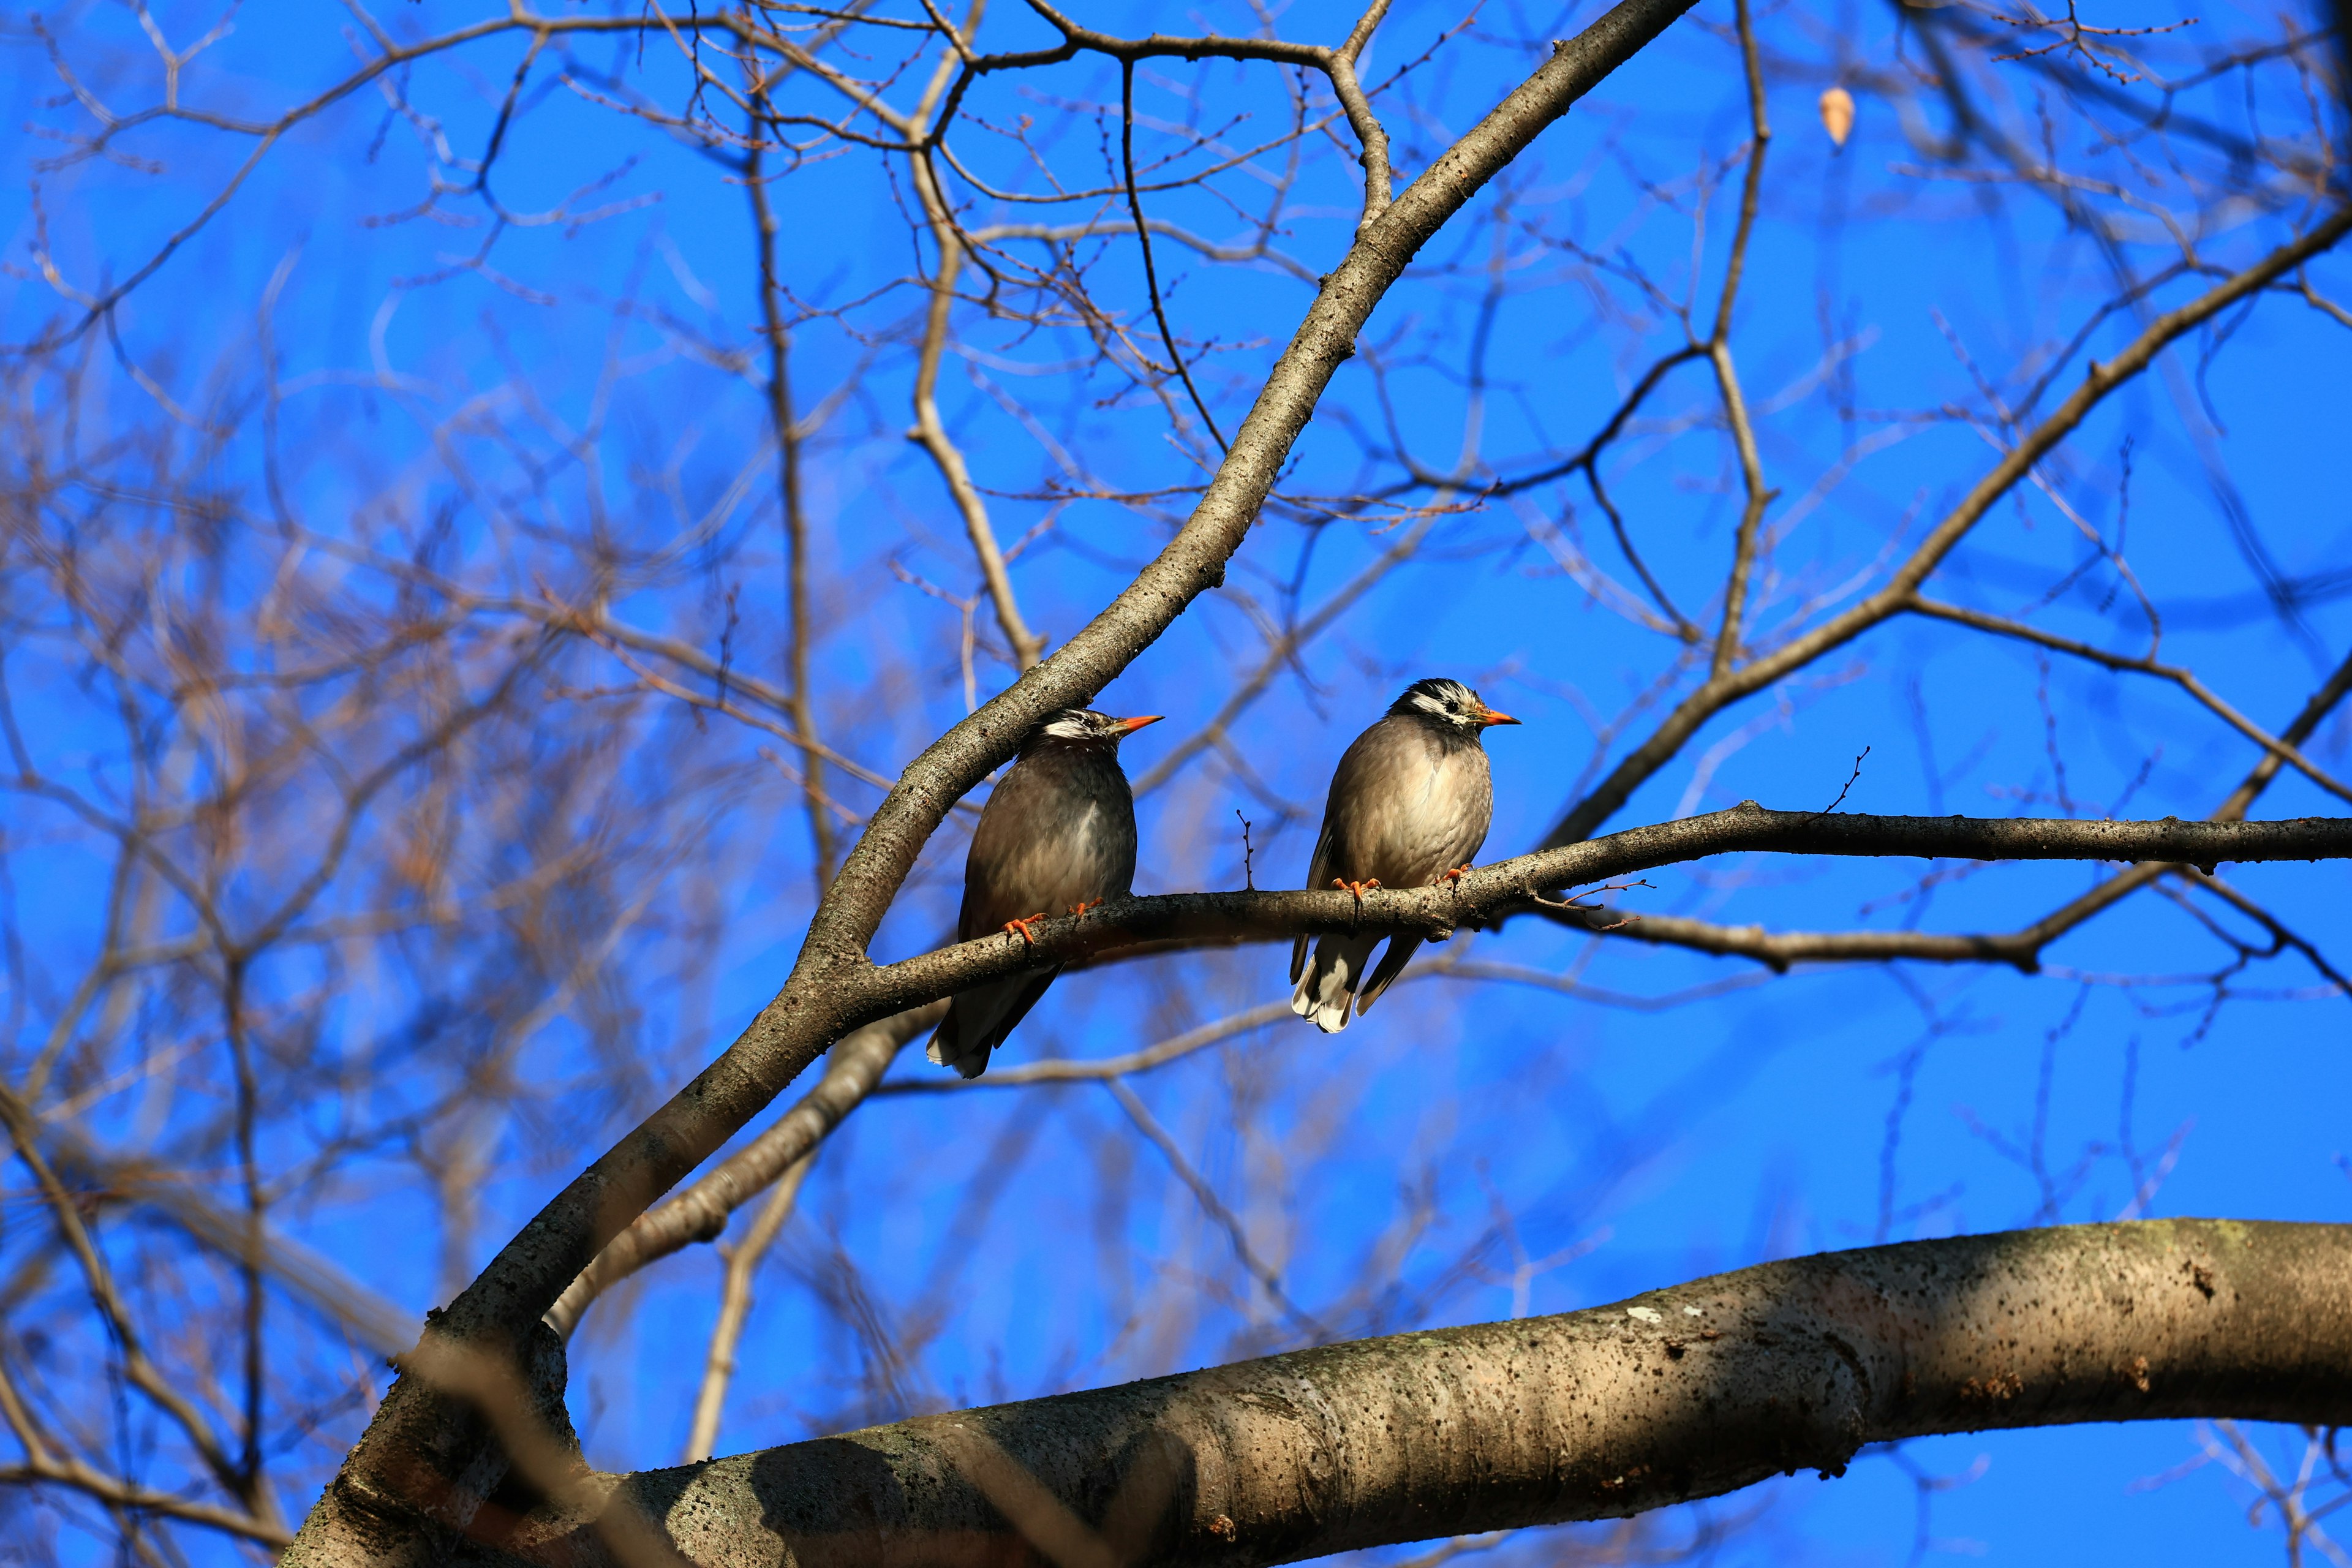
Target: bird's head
pixel 1084 727
pixel 1450 705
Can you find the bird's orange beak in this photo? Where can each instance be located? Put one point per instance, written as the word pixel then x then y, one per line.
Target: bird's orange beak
pixel 1489 719
pixel 1132 725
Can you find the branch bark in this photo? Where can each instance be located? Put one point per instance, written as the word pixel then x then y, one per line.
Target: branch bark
pixel 1688 1392
pixel 1493 893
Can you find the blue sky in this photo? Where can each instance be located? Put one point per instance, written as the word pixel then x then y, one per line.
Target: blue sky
pixel 1629 1146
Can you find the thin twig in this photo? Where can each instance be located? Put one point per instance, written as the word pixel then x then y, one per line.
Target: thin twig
pixel 1718 350
pixel 1143 238
pixel 1215 1206
pixel 735 1306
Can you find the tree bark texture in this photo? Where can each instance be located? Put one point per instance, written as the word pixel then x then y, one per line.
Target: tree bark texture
pixel 1688 1392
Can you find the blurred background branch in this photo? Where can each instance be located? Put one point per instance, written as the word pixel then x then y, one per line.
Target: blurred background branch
pixel 467 582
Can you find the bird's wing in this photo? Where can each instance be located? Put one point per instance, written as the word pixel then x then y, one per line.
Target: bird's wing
pixel 983 862
pixel 1402 947
pixel 1354 781
pixel 1319 874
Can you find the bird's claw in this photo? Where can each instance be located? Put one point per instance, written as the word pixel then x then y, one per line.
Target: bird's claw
pixel 1458 872
pixel 1021 927
pixel 1083 905
pixel 1359 888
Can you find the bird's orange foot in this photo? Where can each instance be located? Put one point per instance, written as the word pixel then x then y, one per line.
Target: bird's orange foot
pixel 1458 872
pixel 1359 888
pixel 1021 927
pixel 1083 905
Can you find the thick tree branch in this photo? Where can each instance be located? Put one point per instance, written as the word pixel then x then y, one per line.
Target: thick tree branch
pixel 1688 1392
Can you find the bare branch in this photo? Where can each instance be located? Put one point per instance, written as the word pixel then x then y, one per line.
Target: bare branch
pixel 1495 892
pixel 1721 690
pixel 1718 348
pixel 2185 680
pixel 735 1305
pixel 701 1213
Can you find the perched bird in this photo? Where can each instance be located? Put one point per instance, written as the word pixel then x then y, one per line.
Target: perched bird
pixel 1057 835
pixel 1410 805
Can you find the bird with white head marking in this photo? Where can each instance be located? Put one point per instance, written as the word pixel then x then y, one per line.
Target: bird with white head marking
pixel 1056 837
pixel 1410 805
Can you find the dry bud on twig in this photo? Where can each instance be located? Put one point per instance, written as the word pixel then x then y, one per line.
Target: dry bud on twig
pixel 1837 115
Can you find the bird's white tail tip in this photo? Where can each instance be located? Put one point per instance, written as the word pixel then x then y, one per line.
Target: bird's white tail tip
pixel 1329 1017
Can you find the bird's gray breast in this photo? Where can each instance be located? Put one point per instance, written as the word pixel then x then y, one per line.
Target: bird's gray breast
pixel 1408 804
pixel 1058 831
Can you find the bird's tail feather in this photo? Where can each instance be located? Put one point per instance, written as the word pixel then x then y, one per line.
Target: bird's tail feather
pixel 1401 951
pixel 1328 983
pixel 979 1019
pixel 948 1048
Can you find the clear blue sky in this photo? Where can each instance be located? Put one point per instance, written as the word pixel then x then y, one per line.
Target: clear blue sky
pixel 1629 1146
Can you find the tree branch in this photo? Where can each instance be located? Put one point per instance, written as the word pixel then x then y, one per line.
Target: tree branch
pixel 1727 375
pixel 1493 893
pixel 1688 1392
pixel 1484 896
pixel 735 1306
pixel 931 435
pixel 2185 680
pixel 418 1475
pixel 1728 686
pixel 784 423
pixel 701 1213
pixel 1143 240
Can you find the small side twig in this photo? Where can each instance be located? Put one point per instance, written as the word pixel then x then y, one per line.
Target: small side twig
pixel 1848 785
pixel 1569 903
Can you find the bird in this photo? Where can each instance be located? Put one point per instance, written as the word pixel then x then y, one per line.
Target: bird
pixel 1056 836
pixel 1410 805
